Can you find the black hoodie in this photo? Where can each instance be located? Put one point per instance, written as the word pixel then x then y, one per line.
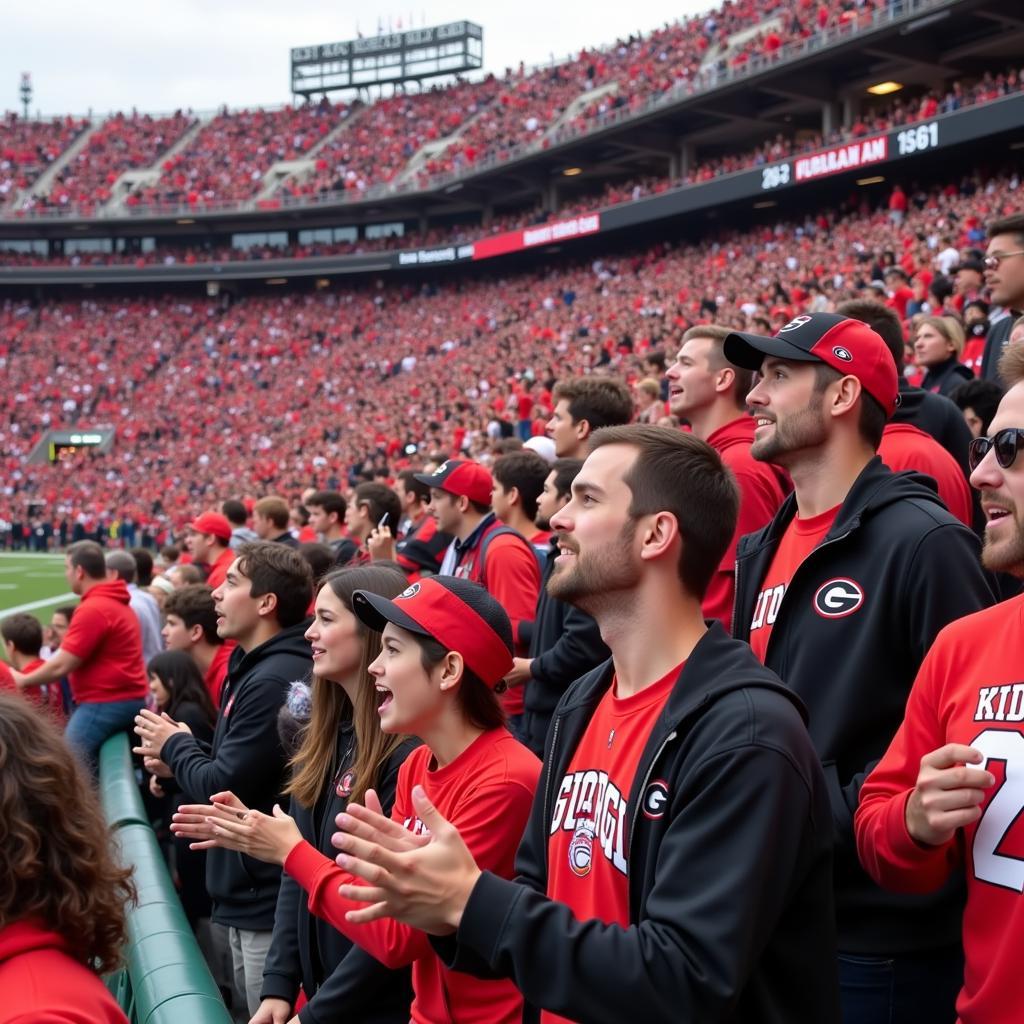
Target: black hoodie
pixel 730 891
pixel 916 568
pixel 247 758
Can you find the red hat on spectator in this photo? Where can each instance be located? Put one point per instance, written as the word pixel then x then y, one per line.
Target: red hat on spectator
pixel 849 346
pixel 463 478
pixel 212 522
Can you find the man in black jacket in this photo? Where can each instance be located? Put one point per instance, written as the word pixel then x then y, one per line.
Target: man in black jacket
pixel 841 595
pixel 677 861
pixel 262 605
pixel 564 642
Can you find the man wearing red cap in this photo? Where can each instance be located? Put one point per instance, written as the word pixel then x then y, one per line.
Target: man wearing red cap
pixel 485 551
pixel 208 539
pixel 842 594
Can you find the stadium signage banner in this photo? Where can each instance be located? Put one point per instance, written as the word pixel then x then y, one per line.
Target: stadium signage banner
pixel 384 43
pixel 842 158
pixel 542 234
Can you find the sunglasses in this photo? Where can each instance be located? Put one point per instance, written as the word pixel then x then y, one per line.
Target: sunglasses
pixel 1007 443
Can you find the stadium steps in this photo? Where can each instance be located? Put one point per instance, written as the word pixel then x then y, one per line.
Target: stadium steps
pixel 579 104
pixel 136 177
pixel 738 39
pixel 43 185
pixel 430 150
pixel 287 170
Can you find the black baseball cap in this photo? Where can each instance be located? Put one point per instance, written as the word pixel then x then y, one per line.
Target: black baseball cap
pixel 847 345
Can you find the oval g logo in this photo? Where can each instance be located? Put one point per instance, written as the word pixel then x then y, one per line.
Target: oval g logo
pixel 842 353
pixel 838 598
pixel 656 799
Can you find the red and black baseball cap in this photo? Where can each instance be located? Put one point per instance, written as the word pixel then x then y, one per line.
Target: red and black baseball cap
pixel 847 345
pixel 458 614
pixel 462 477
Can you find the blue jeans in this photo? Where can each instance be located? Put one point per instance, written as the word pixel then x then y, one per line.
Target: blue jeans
pixel 91 725
pixel 911 988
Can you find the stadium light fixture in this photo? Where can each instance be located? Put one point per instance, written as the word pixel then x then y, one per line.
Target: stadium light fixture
pixel 571 172
pixel 277 280
pixel 876 180
pixel 765 204
pixel 186 220
pixel 884 88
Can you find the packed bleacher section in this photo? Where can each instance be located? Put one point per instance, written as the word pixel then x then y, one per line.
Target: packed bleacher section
pixel 199 394
pixel 345 162
pixel 28 148
pixel 121 143
pixel 482 121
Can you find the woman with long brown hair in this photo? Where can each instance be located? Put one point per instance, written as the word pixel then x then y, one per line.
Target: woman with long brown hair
pixel 62 893
pixel 342 752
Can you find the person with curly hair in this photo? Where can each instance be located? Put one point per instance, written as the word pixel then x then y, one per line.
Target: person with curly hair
pixel 62 893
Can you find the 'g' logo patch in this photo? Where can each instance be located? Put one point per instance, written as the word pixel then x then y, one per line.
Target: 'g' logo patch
pixel 838 598
pixel 656 799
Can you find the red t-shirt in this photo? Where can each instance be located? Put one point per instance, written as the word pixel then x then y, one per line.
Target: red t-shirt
pixel 905 447
pixel 105 634
pixel 761 494
pixel 968 690
pixel 46 698
pixel 587 849
pixel 218 670
pixel 972 355
pixel 802 536
pixel 219 569
pixel 486 793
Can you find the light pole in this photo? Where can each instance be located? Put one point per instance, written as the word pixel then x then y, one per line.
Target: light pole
pixel 26 92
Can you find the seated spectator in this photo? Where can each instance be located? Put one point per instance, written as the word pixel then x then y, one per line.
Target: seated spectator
pixel 518 482
pixel 373 506
pixel 23 642
pixel 978 401
pixel 62 927
pixel 327 517
pixel 581 407
pixel 208 539
pixel 190 626
pixel 271 518
pixel 938 344
pixel 236 514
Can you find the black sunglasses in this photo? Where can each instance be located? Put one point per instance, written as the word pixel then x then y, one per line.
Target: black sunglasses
pixel 1006 443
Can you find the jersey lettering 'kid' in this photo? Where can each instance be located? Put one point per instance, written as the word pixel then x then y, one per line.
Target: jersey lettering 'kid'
pixel 802 536
pixel 589 829
pixel 969 690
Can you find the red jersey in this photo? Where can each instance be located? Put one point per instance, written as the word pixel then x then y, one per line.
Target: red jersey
pixel 761 493
pixel 802 536
pixel 42 981
pixel 46 698
pixel 968 690
pixel 588 845
pixel 905 447
pixel 486 793
pixel 218 670
pixel 219 569
pixel 105 634
pixel 972 355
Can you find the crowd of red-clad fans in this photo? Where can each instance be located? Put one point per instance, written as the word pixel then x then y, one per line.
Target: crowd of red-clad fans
pixel 383 143
pixel 278 390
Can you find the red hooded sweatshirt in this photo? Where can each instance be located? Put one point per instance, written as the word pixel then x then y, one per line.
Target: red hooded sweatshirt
pixel 43 984
pixel 105 634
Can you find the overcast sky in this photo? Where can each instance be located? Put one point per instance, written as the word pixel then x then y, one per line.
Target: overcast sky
pixel 158 55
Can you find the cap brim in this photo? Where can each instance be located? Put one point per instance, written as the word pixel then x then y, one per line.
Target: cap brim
pixel 376 612
pixel 426 478
pixel 749 350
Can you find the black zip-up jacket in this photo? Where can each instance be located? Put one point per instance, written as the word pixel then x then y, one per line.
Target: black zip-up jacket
pixel 564 643
pixel 935 415
pixel 246 757
pixel 341 981
pixel 730 872
pixel 852 661
pixel 946 377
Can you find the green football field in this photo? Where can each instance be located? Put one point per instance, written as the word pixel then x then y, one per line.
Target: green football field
pixel 33 583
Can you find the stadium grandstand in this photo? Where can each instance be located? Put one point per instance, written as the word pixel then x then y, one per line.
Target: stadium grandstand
pixel 338 293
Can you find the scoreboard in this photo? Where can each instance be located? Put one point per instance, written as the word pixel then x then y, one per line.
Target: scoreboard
pixel 393 57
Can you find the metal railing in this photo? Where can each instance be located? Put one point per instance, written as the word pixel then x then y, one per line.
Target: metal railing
pixel 713 77
pixel 165 979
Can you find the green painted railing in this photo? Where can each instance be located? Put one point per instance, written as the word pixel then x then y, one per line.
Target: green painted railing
pixel 165 979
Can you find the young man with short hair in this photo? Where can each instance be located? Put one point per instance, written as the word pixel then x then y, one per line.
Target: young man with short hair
pixel 707 391
pixel 1004 276
pixel 262 606
pixel 23 641
pixel 677 863
pixel 945 802
pixel 270 517
pixel 420 547
pixel 190 625
pixel 842 594
pixel 484 551
pixel 563 641
pixel 238 516
pixel 373 506
pixel 208 539
pixel 101 654
pixel 327 517
pixel 583 405
pixel 518 482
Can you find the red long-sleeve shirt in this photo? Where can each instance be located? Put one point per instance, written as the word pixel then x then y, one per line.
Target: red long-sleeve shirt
pixel 486 793
pixel 969 691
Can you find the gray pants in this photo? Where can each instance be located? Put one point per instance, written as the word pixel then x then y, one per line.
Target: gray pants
pixel 248 952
